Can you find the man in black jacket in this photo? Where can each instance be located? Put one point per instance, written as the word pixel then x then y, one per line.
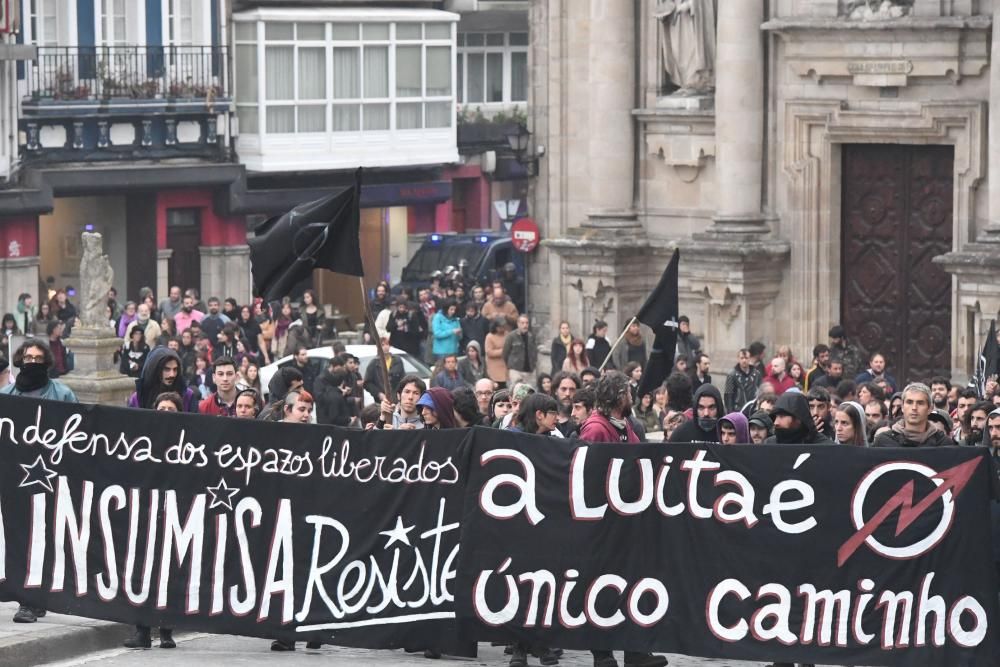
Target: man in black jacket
pixel 373 376
pixel 793 423
pixel 708 409
pixel 915 428
pixel 331 398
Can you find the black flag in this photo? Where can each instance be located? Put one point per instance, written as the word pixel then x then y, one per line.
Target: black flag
pixel 321 234
pixel 989 361
pixel 660 314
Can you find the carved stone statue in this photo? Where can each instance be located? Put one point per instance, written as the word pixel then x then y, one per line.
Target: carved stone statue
pixel 878 10
pixel 687 44
pixel 96 278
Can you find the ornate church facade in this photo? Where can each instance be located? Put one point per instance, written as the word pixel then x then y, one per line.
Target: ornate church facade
pixel 816 162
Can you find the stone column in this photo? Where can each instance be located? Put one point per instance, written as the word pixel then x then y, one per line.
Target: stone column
pixel 739 118
pixel 611 126
pixel 992 232
pixel 163 256
pixel 225 271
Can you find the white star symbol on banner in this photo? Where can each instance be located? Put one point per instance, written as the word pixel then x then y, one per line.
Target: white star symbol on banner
pixel 397 534
pixel 222 495
pixel 37 473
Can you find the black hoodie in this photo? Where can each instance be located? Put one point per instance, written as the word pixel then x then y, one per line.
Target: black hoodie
pixel 796 405
pixel 690 431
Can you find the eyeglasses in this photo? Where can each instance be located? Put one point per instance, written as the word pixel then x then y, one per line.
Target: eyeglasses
pixel 34 358
pixel 484 393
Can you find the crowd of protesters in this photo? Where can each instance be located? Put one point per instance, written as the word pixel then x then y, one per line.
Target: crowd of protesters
pixel 192 356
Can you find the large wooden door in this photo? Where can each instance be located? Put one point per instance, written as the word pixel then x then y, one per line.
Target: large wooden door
pixel 897 216
pixel 184 237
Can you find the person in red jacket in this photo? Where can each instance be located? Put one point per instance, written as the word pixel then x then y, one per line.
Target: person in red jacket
pixel 779 377
pixel 609 422
pixel 221 402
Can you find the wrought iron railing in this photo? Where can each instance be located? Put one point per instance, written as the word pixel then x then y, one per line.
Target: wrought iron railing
pixel 137 72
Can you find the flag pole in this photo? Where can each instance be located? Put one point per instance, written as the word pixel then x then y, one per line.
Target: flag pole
pixel 615 346
pixel 370 320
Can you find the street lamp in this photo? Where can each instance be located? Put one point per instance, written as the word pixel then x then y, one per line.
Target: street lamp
pixel 520 142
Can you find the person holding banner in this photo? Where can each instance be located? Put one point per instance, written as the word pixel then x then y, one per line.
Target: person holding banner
pixel 609 423
pixel 34 359
pixel 915 429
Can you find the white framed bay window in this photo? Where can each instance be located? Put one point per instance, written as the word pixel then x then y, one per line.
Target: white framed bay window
pixel 312 84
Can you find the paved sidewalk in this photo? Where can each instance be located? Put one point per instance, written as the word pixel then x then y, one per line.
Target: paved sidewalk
pixel 54 637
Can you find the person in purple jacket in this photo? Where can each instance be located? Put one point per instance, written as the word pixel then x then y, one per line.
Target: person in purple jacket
pixel 161 373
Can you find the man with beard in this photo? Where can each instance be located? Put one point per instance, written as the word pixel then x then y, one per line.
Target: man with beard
pixel 976 416
pixel 708 409
pixel 793 422
pixel 187 314
pixel 150 328
pixel 821 359
pixel 940 386
pixel 212 323
pixel 844 352
pixel 160 374
pixel 819 409
pixel 34 359
pixel 565 386
pixel 741 383
pixel 831 379
pixel 407 327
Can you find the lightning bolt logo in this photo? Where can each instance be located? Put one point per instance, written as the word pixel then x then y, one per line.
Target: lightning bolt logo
pixel 953 479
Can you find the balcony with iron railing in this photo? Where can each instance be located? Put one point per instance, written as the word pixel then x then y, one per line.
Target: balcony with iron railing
pixel 124 102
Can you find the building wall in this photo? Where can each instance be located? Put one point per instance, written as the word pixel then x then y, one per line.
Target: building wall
pixel 59 237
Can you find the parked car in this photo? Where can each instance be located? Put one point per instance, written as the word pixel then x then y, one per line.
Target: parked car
pixel 319 356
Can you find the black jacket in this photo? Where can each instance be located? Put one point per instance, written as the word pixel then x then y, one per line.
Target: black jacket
pixel 598 350
pixel 373 378
pixel 557 354
pixel 896 438
pixel 331 404
pixel 406 331
pixel 689 431
pixel 474 329
pixel 797 405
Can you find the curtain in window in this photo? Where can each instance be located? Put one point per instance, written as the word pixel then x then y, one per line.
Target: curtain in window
pixel 346 74
pixel 279 68
pixel 494 77
pixel 408 116
pixel 246 73
pixel 312 74
pixel 476 92
pixel 409 63
pixel 376 77
pixel 376 116
pixel 519 77
pixel 280 120
pixel 346 117
pixel 437 114
pixel 438 71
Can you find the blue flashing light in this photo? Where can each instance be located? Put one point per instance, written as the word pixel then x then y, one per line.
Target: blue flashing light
pixel 484 239
pixel 435 238
pixel 88 228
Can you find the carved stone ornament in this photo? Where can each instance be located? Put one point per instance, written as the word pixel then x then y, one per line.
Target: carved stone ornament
pixel 96 278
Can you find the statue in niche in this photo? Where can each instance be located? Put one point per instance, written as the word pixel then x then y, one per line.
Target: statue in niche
pixel 687 44
pixel 878 10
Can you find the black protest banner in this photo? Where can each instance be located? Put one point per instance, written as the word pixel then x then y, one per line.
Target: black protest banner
pixel 286 531
pixel 822 554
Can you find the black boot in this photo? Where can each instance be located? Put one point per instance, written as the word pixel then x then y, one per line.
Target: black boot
pixel 547 657
pixel 278 645
pixel 25 614
pixel 141 638
pixel 518 656
pixel 604 659
pixel 314 645
pixel 644 660
pixel 167 638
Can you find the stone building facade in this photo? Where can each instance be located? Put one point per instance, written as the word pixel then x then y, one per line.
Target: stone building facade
pixel 816 162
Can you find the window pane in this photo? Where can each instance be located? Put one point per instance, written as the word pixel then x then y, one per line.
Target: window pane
pixel 519 77
pixel 518 39
pixel 408 67
pixel 346 74
pixel 437 114
pixel 376 72
pixel 312 118
pixel 375 31
pixel 408 116
pixel 278 31
pixel 474 39
pixel 494 39
pixel 438 70
pixel 280 120
pixel 376 116
pixel 248 119
pixel 461 39
pixel 437 30
pixel 279 70
pixel 477 61
pixel 460 82
pixel 311 31
pixel 494 77
pixel 345 31
pixel 312 74
pixel 246 31
pixel 346 117
pixel 246 73
pixel 407 31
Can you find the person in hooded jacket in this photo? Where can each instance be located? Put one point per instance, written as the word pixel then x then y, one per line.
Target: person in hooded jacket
pixel 793 423
pixel 436 406
pixel 162 373
pixel 734 429
pixel 761 427
pixel 286 379
pixel 707 407
pixel 850 424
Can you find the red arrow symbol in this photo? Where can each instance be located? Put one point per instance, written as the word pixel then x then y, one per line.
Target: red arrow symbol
pixel 954 479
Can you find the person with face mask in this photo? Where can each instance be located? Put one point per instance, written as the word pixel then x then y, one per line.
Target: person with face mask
pixel 707 411
pixel 793 423
pixel 34 359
